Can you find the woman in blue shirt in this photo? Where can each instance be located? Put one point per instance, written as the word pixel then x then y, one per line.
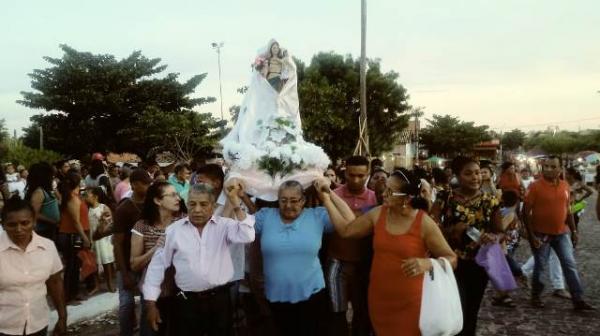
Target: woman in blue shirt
pixel 290 239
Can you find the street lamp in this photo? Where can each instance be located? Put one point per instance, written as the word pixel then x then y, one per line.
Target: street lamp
pixel 217 47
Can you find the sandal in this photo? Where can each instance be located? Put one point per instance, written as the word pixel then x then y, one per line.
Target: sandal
pixel 503 301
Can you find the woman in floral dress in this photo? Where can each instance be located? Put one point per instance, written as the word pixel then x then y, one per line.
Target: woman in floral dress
pixel 469 218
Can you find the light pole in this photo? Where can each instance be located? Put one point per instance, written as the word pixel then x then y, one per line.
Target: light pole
pixel 217 47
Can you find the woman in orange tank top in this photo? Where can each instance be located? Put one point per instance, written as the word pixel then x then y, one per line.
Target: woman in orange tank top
pixel 73 231
pixel 403 240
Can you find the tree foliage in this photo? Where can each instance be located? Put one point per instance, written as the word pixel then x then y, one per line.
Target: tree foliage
pixel 513 139
pixel 449 136
pixel 564 141
pixel 18 153
pixel 329 94
pixel 98 103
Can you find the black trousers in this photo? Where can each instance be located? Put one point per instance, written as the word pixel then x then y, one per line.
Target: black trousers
pixel 42 332
pixel 204 315
pixel 304 318
pixel 66 242
pixel 472 281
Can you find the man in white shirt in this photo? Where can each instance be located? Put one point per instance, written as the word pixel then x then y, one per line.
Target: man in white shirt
pixel 198 247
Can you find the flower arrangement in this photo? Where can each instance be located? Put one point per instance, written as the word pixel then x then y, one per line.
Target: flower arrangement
pixel 259 63
pixel 281 151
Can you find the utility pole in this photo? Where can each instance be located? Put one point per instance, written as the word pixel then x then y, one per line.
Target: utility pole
pixel 217 47
pixel 41 138
pixel 362 147
pixel 417 112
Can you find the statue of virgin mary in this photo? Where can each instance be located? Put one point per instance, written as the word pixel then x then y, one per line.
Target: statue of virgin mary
pixel 266 146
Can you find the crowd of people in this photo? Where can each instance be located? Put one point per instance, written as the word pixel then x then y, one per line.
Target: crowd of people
pixel 345 256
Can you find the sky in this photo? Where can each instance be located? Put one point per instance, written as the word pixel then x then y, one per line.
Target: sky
pixel 528 64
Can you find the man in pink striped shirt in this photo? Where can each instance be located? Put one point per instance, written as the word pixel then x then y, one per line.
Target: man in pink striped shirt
pixel 198 247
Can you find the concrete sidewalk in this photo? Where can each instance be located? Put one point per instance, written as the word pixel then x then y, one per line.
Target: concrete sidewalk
pixel 88 309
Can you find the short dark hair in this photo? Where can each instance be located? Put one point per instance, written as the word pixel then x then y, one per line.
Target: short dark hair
pixel 552 157
pixel 506 165
pixel 460 162
pixel 376 162
pixel 509 198
pixel 213 171
pixel 96 168
pixel 379 170
pixel 99 192
pixel 357 160
pixel 488 167
pixel 576 175
pixel 14 204
pixel 181 166
pixel 438 176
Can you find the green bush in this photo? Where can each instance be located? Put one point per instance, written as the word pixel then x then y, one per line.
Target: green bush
pixel 18 153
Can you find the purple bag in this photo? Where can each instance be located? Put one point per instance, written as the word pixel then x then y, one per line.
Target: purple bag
pixel 492 258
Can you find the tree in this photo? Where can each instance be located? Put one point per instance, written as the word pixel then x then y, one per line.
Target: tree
pixel 234 111
pixel 448 136
pixel 98 103
pixel 18 153
pixel 514 139
pixel 187 134
pixel 564 141
pixel 329 104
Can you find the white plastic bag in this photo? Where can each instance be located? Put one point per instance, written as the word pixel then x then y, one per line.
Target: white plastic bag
pixel 441 312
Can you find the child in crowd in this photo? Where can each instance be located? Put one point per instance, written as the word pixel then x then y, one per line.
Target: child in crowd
pixel 101 235
pixel 512 225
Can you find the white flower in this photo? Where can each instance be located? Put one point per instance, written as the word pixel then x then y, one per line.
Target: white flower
pixel 286 151
pixel 291 130
pixel 277 135
pixel 313 156
pixel 296 159
pixel 269 146
pixel 274 153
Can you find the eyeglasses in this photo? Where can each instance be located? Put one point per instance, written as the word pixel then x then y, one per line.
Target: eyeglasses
pixel 292 201
pixel 174 195
pixel 390 192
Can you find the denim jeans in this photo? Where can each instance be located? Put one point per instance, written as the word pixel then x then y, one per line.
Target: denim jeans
pixel 561 244
pixel 126 308
pixel 555 273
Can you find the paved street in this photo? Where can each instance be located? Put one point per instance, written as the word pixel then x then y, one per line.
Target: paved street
pixel 558 317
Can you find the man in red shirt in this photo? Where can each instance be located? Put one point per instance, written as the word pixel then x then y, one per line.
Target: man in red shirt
pixel 545 213
pixel 348 261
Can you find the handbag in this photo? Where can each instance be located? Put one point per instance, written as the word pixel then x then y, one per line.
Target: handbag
pixel 88 263
pixel 441 311
pixel 491 257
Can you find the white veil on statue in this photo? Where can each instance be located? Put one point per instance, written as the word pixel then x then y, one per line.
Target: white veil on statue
pixel 266 146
